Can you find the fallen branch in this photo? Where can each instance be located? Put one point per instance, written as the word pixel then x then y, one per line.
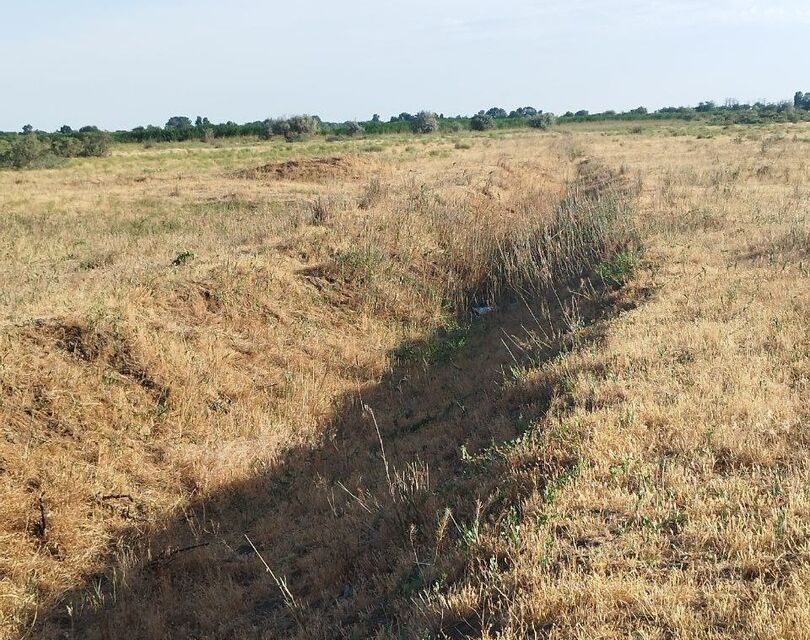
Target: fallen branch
pixel 166 556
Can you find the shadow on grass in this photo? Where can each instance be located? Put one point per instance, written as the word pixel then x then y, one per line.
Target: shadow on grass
pixel 349 532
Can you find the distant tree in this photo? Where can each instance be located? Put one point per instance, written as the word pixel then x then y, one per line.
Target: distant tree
pixel 28 129
pixel 292 129
pixel 425 122
pixel 152 134
pixel 304 124
pixel 94 144
pixel 201 122
pixel 90 128
pixel 178 122
pixel 353 128
pixel 731 103
pixel 228 129
pixel 279 127
pixel 375 118
pixel 523 112
pixel 568 114
pixel 582 113
pixel 542 121
pixel 497 112
pixel 705 107
pixel 482 121
pixel 802 101
pixel 639 111
pixel 266 131
pixel 65 129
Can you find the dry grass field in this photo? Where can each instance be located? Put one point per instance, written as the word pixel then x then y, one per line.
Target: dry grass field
pixel 244 394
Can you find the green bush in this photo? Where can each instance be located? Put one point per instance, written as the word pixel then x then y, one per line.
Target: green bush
pixel 293 129
pixel 266 131
pixel 353 128
pixel 66 146
pixel 275 127
pixel 542 121
pixel 29 150
pixel 82 145
pixel 425 122
pixel 482 122
pixel 26 150
pixel 94 144
pixel 304 125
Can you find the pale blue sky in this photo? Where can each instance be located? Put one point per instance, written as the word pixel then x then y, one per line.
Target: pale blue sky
pixel 121 63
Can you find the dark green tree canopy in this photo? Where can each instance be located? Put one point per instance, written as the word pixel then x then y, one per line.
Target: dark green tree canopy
pixel 178 122
pixel 523 112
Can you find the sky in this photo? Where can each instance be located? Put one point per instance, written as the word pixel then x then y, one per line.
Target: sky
pixel 123 63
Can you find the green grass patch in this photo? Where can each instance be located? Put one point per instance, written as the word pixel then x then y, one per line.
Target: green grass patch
pixel 619 268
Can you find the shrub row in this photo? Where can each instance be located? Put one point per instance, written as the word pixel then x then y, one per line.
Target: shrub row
pixel 31 149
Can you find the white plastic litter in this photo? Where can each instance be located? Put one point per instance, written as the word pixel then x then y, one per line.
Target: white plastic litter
pixel 483 309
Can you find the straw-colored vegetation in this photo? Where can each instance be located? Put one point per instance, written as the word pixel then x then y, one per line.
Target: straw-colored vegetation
pixel 244 394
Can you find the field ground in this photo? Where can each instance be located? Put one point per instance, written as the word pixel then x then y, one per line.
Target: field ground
pixel 214 357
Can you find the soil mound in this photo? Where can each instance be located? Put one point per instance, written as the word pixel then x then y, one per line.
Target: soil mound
pixel 312 169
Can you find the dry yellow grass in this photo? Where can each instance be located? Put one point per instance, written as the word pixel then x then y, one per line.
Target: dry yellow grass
pixel 189 353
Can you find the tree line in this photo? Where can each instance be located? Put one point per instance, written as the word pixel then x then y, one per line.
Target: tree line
pixel 32 148
pixel 179 128
pixel 39 148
